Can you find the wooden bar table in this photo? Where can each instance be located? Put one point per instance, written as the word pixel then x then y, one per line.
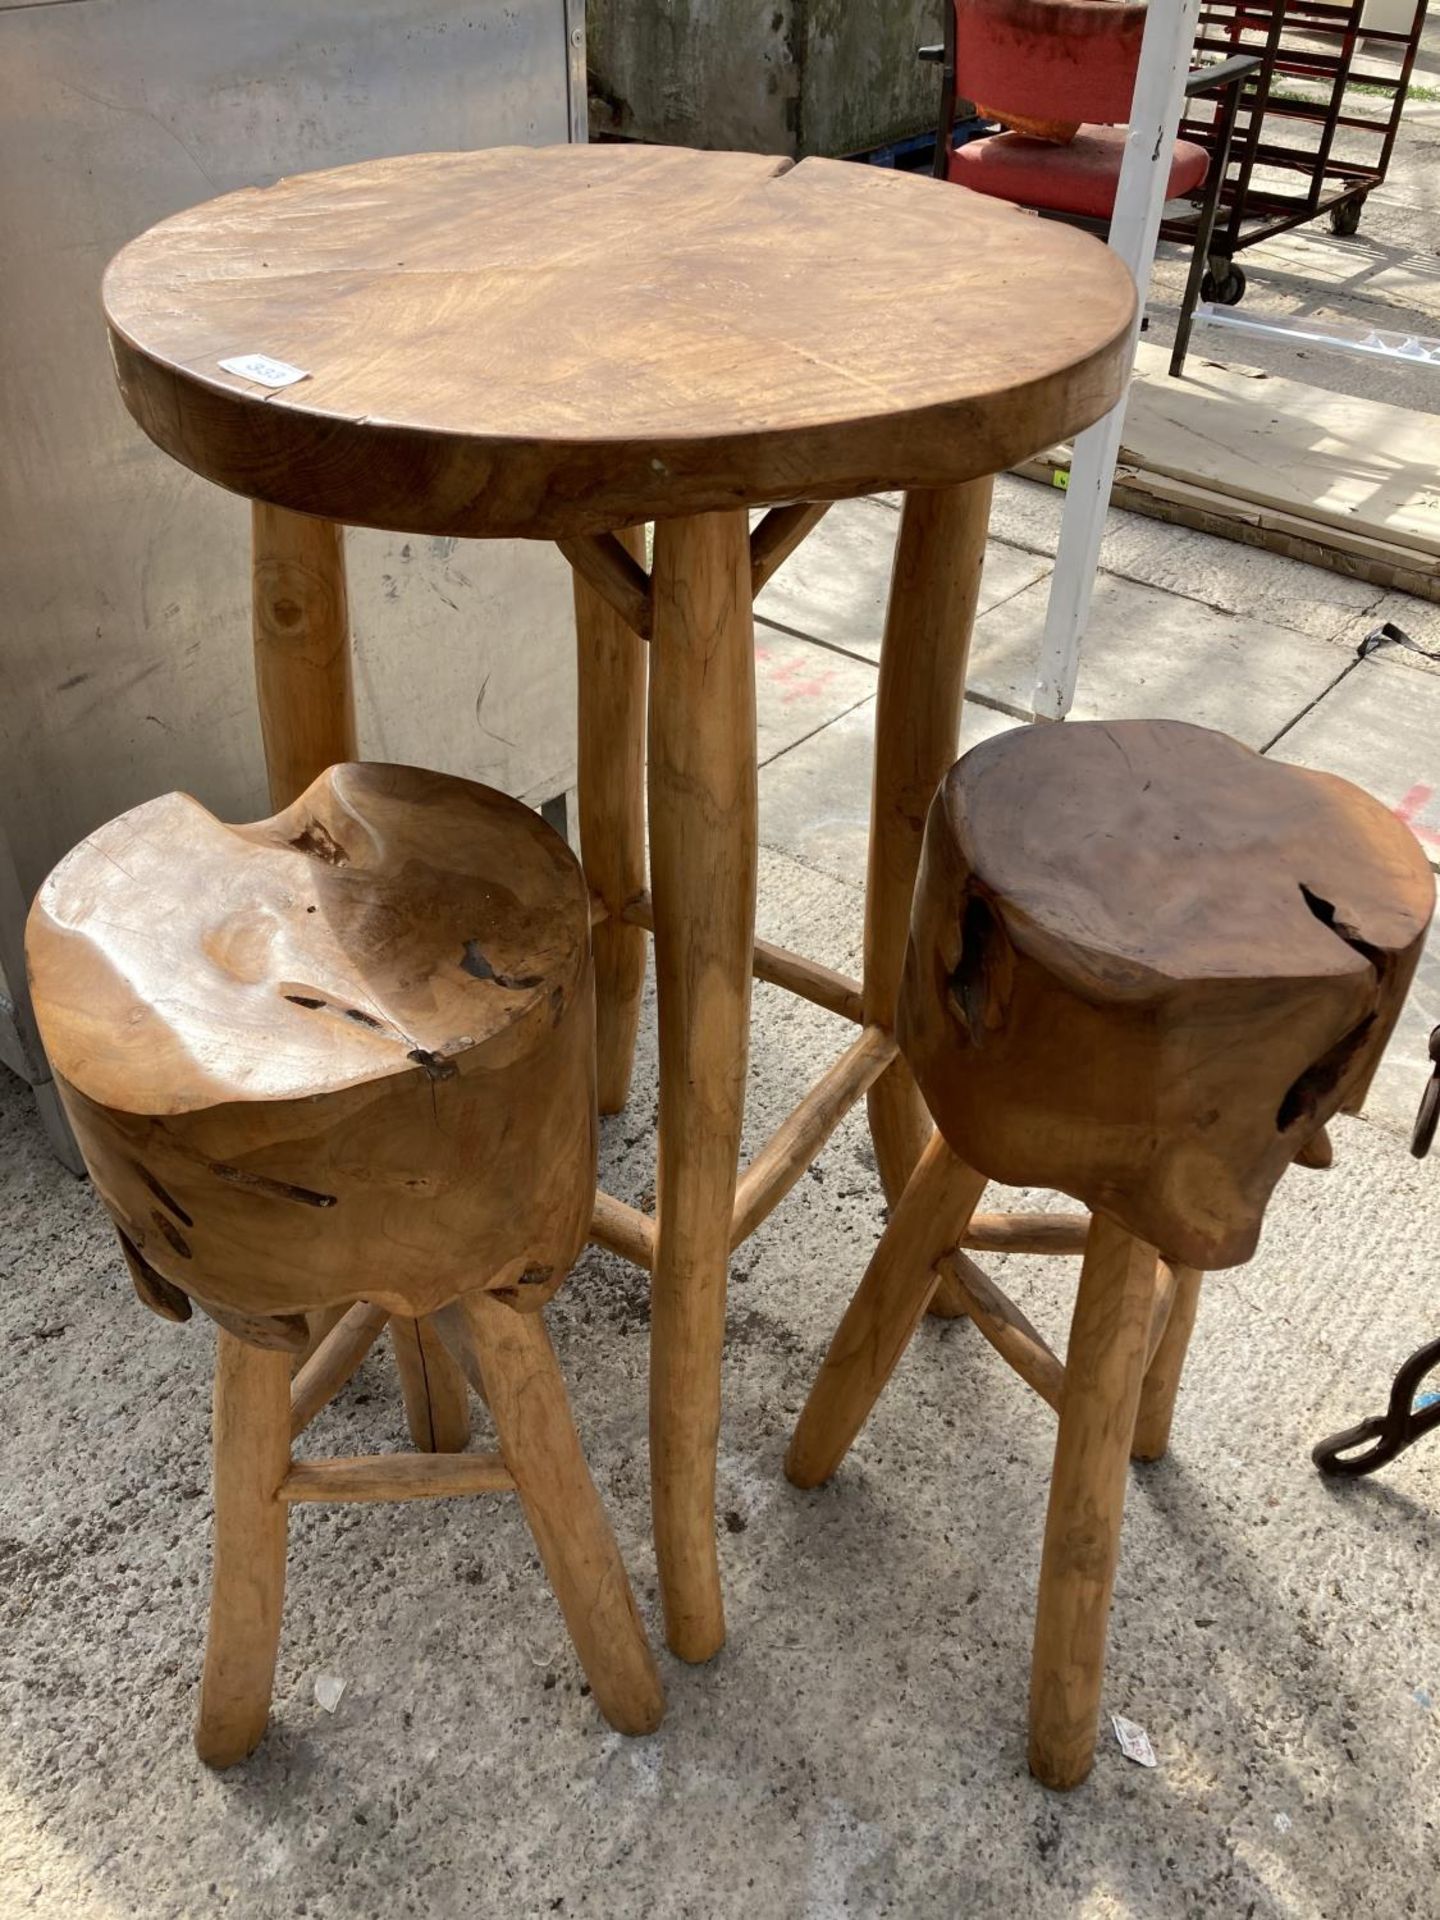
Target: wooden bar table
pixel 564 344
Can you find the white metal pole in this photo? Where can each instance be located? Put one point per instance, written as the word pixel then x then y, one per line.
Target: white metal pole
pixel 1134 230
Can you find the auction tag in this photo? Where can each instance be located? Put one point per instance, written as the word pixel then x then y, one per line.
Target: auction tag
pixel 1134 1741
pixel 264 371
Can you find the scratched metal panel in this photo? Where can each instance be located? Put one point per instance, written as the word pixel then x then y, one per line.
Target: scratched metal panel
pixel 124 623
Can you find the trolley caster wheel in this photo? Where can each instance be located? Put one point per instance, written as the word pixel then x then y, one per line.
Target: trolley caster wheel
pixel 1228 292
pixel 1345 217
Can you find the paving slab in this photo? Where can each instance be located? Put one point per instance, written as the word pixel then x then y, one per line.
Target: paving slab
pixel 1149 653
pixel 1023 513
pixel 1238 579
pixel 1027 513
pixel 834 587
pixel 1380 726
pixel 1420 619
pixel 815 799
pixel 800 686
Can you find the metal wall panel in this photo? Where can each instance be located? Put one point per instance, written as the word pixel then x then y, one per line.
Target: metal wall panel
pixel 124 620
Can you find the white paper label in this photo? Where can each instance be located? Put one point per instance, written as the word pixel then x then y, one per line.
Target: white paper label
pixel 264 371
pixel 1134 1741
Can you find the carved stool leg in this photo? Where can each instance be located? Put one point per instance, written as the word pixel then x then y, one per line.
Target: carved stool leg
pixel 252 1457
pixel 611 665
pixel 321 1325
pixel 887 1307
pixel 702 860
pixel 933 594
pixel 1104 1366
pixel 542 1452
pixel 1162 1380
pixel 437 1400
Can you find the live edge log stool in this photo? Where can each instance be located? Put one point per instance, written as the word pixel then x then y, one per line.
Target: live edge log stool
pixel 344 1059
pixel 562 344
pixel 1146 966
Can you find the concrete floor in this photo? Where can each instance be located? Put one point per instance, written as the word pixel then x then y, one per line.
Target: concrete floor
pixel 858 1749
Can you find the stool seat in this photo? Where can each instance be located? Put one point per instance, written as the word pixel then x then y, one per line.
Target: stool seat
pixel 283 1041
pixel 1146 966
pixel 330 945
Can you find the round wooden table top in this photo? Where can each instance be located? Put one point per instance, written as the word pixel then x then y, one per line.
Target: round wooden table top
pixel 561 340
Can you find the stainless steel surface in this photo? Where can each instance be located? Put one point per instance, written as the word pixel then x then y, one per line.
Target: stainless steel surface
pixel 124 621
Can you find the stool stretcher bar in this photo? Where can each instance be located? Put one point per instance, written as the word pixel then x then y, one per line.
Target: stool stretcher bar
pixel 837 993
pixel 1017 1342
pixel 793 1147
pixel 396 1476
pixel 1026 1233
pixel 335 1361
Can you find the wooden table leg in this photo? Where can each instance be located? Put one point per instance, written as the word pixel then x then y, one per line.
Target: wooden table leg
pixel 702 859
pixel 307 722
pixel 302 648
pixel 611 664
pixel 933 593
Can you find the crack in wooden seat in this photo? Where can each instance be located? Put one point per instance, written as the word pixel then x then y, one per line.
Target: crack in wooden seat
pixel 340 1062
pixel 1146 966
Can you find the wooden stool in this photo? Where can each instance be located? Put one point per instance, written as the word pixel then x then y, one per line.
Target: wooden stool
pixel 1145 967
pixel 344 1059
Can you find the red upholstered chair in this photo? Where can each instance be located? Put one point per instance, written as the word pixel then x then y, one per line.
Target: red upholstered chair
pixel 1060 75
pixel 1066 67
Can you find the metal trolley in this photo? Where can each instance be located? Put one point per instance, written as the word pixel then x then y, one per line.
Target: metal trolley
pixel 1316 125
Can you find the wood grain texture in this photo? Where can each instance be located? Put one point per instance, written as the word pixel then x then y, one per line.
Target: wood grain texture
pixel 1027 1233
pixel 319 1327
pixel 1147 964
pixel 624 1230
pixel 563 340
pixel 702 787
pixel 1007 1329
pixel 1104 1365
pixel 302 649
pixel 334 1362
pixel 437 1400
pixel 1162 1376
pixel 888 1306
pixel 934 588
pixel 395 1476
pixel 251 1443
pixel 612 664
pixel 779 534
pixel 798 1139
pixel 288 1045
pixel 612 567
pixel 572 1533
pixel 822 986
